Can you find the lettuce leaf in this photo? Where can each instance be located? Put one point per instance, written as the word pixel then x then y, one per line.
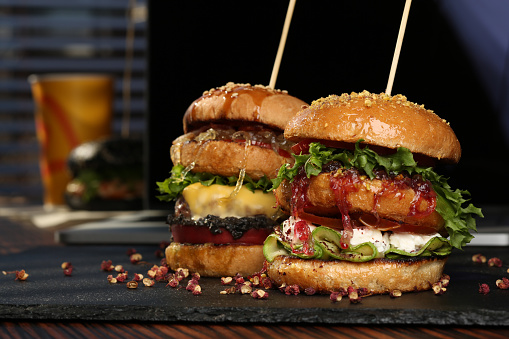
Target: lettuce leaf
pixel 459 220
pixel 173 186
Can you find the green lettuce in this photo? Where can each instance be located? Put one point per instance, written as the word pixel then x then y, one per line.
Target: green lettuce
pixel 459 220
pixel 173 186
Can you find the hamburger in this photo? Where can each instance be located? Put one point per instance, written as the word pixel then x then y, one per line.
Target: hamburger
pixel 107 174
pixel 232 146
pixel 367 208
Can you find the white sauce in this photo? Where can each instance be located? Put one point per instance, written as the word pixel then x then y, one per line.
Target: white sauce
pixel 410 242
pixel 407 242
pixel 379 239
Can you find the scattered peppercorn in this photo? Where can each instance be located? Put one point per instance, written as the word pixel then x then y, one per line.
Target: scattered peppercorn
pixel 66 265
pixel 191 284
pixel 503 283
pixel 148 282
pixel 353 295
pixel 260 294
pixel 495 262
pixel 292 289
pixel 484 289
pixel 229 290
pixel 255 280
pixel 135 258
pixel 438 288
pixel 132 284
pixel 226 280
pixel 309 291
pixel 173 282
pixel 121 277
pixel 107 266
pixel 362 291
pixel 445 279
pixel 246 289
pixel 395 294
pixel 197 290
pixel 479 258
pixel 282 287
pixel 67 268
pixel 20 275
pixel 335 296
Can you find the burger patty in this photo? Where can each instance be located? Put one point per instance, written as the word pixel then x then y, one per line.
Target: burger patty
pixel 389 198
pixel 223 151
pixel 216 225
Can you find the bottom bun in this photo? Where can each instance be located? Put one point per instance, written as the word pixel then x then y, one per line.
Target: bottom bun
pixel 211 260
pixel 378 276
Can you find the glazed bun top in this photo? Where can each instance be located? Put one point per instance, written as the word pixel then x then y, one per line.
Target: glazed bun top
pixel 379 119
pixel 241 103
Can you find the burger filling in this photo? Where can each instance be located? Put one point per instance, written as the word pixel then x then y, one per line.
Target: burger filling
pixel 221 210
pixel 365 235
pixel 254 134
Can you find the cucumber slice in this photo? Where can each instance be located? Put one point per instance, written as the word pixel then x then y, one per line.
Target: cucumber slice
pixel 272 248
pixel 328 240
pixel 434 246
pixel 360 253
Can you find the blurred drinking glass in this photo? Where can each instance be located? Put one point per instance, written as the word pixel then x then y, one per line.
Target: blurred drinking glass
pixel 70 109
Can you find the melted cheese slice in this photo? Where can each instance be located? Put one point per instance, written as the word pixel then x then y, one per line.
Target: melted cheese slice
pixel 218 200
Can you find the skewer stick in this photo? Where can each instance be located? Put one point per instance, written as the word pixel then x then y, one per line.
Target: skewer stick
pixel 397 51
pixel 282 43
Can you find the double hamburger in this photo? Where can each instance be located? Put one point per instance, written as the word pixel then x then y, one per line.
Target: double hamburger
pixel 367 208
pixel 220 182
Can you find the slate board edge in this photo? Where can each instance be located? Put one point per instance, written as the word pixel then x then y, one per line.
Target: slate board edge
pixel 339 316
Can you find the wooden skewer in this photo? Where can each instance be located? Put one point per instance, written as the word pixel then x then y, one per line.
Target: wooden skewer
pixel 282 43
pixel 397 51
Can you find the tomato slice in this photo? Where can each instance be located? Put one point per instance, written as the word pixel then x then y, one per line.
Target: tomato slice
pixel 191 234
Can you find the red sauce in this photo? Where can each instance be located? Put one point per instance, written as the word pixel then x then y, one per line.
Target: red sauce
pixel 343 185
pixel 422 188
pixel 299 202
pixel 423 191
pixel 300 187
pixel 349 182
pixel 303 233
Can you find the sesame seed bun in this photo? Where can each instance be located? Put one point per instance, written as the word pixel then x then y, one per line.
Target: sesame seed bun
pixel 379 119
pixel 242 103
pixel 378 276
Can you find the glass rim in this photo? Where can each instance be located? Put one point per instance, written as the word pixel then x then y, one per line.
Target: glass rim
pixel 33 78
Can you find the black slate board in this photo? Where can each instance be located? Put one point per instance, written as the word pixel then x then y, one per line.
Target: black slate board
pixel 49 295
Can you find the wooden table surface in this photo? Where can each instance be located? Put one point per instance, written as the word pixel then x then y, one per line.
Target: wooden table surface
pixel 17 234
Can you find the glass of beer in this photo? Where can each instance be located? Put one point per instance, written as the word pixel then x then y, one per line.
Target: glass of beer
pixel 70 109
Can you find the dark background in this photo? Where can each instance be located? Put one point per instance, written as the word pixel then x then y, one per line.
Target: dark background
pixel 333 47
